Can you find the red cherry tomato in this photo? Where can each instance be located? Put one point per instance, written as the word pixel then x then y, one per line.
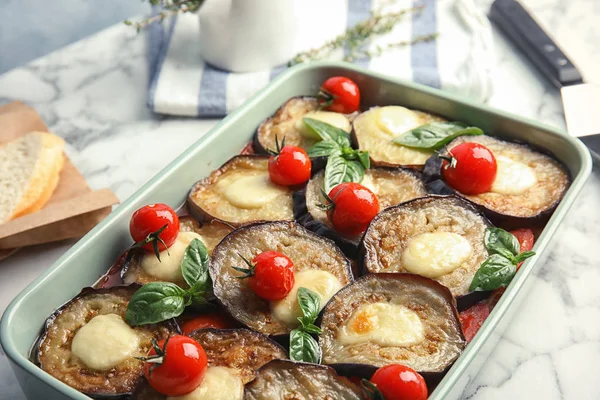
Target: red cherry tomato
pixel 290 167
pixel 212 320
pixel 472 318
pixel 343 94
pixel 353 207
pixel 182 368
pixel 150 219
pixel 271 275
pixel 474 171
pixel 399 382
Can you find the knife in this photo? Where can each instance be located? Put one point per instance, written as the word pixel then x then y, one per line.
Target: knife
pixel 581 101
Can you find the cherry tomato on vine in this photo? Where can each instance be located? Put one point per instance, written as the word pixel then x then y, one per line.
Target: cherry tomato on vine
pixel 340 94
pixel 270 275
pixel 176 366
pixel 473 169
pixel 399 382
pixel 351 207
pixel 289 166
pixel 212 320
pixel 149 220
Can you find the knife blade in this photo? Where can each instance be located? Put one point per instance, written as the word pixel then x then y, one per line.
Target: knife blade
pixel 581 101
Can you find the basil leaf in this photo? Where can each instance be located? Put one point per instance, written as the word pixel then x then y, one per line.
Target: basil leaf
pixel 310 304
pixel 497 271
pixel 324 148
pixel 194 265
pixel 328 132
pixel 364 159
pixel 304 348
pixel 155 302
pixel 308 327
pixel 339 170
pixel 499 241
pixel 523 256
pixel 435 135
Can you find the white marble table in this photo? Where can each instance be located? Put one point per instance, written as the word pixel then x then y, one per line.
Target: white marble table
pixel 93 93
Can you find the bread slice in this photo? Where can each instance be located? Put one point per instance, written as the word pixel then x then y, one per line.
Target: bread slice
pixel 30 167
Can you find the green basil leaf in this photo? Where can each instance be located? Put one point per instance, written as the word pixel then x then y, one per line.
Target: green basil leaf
pixel 497 271
pixel 324 148
pixel 499 241
pixel 373 392
pixel 435 135
pixel 309 327
pixel 339 170
pixel 194 265
pixel 303 347
pixel 155 302
pixel 364 158
pixel 523 256
pixel 328 132
pixel 310 304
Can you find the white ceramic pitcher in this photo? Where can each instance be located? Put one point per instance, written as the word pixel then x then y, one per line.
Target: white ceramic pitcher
pixel 253 35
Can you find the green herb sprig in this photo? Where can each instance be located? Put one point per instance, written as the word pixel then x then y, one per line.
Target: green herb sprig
pixel 167 8
pixel 158 301
pixel 303 347
pixel 500 267
pixel 435 135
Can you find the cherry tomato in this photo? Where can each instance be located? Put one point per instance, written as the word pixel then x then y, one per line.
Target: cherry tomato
pixel 182 368
pixel 291 166
pixel 150 219
pixel 526 239
pixel 271 275
pixel 343 94
pixel 353 207
pixel 399 382
pixel 212 320
pixel 474 171
pixel 472 318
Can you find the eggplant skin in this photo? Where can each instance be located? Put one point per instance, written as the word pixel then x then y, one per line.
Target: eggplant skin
pixel 306 250
pixel 283 124
pixel 206 203
pixel 432 302
pixel 533 207
pixel 391 230
pixel 53 352
pixel 300 381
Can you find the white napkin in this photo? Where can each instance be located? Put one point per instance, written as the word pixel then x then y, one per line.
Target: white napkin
pixel 459 60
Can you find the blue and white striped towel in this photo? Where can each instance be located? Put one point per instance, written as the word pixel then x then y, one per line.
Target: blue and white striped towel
pixel 459 60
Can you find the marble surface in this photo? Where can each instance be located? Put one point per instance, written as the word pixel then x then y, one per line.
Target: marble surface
pixel 93 93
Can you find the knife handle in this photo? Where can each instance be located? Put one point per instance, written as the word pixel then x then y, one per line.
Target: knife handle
pixel 537 46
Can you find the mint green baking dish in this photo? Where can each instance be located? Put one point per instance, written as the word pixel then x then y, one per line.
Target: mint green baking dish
pixel 83 264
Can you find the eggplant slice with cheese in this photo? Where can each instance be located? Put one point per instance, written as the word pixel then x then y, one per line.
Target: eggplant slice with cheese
pixel 528 185
pixel 440 237
pixel 281 379
pixel 241 192
pixel 288 123
pixel 391 186
pixel 88 345
pixel 234 356
pixel 318 265
pixel 383 319
pixel 142 267
pixel 375 129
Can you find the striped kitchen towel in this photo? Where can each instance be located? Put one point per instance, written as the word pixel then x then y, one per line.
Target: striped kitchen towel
pixel 460 60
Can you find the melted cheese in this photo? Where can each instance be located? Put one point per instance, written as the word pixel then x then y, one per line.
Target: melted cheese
pixel 435 254
pixel 219 383
pixel 169 267
pixel 332 118
pixel 104 342
pixel 249 190
pixel 383 323
pixel 321 282
pixel 395 120
pixel 512 177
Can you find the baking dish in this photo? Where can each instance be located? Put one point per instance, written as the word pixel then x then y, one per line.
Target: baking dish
pixel 85 262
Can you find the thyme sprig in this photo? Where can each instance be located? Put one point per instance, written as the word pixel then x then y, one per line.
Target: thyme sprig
pixel 167 8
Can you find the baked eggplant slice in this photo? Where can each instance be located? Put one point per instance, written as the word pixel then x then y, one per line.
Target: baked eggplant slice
pixel 391 186
pixel 287 123
pixel 241 192
pixel 234 356
pixel 440 237
pixel 383 319
pixel 143 267
pixel 375 129
pixel 87 344
pixel 528 186
pixel 319 266
pixel 281 379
